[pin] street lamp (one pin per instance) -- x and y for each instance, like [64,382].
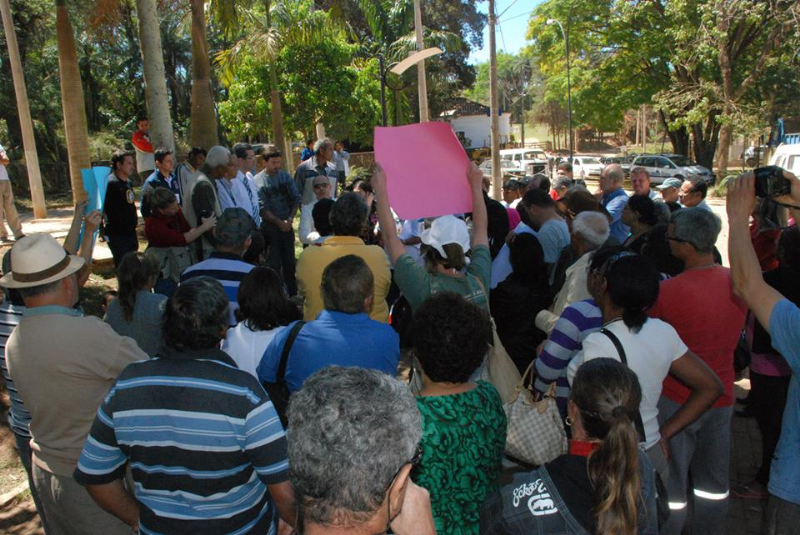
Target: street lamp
[569,90]
[398,69]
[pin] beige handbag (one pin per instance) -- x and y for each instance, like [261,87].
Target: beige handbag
[499,369]
[535,432]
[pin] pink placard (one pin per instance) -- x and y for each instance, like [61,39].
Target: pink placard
[426,170]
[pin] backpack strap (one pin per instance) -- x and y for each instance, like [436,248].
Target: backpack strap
[287,347]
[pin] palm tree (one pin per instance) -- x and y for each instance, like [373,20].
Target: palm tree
[203,124]
[75,128]
[283,25]
[154,77]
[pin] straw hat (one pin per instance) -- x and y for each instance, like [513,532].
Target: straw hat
[38,259]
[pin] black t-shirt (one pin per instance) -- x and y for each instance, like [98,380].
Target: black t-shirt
[120,208]
[787,281]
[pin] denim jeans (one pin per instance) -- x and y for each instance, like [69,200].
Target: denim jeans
[121,245]
[280,256]
[702,449]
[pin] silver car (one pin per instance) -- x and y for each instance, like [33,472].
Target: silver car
[664,166]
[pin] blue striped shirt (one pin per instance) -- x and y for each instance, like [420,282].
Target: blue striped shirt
[577,321]
[203,441]
[18,415]
[229,269]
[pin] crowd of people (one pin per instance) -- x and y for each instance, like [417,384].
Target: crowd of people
[235,387]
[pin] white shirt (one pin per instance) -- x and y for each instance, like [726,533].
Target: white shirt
[501,265]
[246,347]
[650,353]
[575,289]
[306,232]
[412,228]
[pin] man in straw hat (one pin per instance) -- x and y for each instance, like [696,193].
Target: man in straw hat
[63,365]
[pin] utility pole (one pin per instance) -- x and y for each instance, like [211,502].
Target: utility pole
[24,110]
[421,80]
[497,185]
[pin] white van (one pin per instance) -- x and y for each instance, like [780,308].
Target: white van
[788,157]
[530,161]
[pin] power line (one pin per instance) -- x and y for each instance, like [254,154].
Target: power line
[515,16]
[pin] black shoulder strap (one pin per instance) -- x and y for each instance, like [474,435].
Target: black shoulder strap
[287,347]
[637,421]
[617,344]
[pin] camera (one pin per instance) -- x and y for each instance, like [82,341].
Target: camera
[770,182]
[205,214]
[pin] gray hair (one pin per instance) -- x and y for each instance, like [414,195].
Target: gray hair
[562,180]
[322,144]
[615,173]
[218,156]
[698,227]
[350,431]
[592,227]
[41,289]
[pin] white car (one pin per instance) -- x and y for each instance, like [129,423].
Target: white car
[530,161]
[663,166]
[586,166]
[788,157]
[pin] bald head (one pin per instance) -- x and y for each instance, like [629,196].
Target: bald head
[611,178]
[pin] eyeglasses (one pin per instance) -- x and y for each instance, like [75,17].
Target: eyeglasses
[414,461]
[673,238]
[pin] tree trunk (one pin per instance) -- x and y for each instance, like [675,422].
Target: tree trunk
[154,78]
[72,100]
[275,105]
[26,124]
[705,141]
[203,126]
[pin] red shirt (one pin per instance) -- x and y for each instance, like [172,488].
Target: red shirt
[142,141]
[701,306]
[765,243]
[166,231]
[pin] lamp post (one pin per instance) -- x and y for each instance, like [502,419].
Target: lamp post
[398,69]
[569,89]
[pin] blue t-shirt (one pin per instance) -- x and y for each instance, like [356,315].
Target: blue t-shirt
[334,338]
[784,476]
[614,203]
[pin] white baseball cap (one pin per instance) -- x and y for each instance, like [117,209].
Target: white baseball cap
[444,230]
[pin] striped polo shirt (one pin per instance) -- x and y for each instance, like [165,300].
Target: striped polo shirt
[18,415]
[229,269]
[202,439]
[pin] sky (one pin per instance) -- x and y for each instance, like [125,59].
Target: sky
[512,26]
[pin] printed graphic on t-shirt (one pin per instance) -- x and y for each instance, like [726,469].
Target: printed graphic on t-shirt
[129,196]
[539,503]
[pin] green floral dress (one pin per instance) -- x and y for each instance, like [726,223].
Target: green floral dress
[463,437]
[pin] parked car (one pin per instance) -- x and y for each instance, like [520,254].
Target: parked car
[531,161]
[623,161]
[507,168]
[664,166]
[753,156]
[788,157]
[584,167]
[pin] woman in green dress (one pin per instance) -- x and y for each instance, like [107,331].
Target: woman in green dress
[463,423]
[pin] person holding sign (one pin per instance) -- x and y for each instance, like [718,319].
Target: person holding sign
[444,249]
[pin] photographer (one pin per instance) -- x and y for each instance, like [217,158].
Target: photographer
[780,319]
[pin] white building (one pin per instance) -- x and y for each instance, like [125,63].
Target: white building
[472,124]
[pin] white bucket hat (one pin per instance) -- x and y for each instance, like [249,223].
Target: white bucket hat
[39,259]
[444,230]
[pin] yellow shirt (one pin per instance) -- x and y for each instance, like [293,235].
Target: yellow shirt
[313,261]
